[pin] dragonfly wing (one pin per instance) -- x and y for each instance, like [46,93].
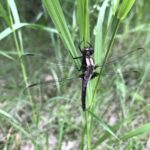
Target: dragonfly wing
[129,65]
[115,59]
[45,72]
[51,85]
[45,59]
[52,82]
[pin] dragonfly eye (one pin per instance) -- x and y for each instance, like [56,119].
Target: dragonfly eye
[91,50]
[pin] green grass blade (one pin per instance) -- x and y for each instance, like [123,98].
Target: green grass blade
[80,16]
[14,19]
[99,39]
[106,135]
[106,56]
[20,25]
[83,20]
[55,11]
[136,132]
[97,43]
[115,5]
[14,11]
[6,55]
[125,7]
[4,14]
[61,135]
[14,122]
[103,125]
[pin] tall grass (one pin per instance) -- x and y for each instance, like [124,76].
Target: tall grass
[94,131]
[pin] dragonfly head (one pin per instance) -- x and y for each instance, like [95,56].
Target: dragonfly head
[89,51]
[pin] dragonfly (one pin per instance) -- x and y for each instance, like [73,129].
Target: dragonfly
[88,69]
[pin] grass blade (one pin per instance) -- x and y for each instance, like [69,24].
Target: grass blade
[55,11]
[6,55]
[20,25]
[14,122]
[136,132]
[99,39]
[103,125]
[125,7]
[83,19]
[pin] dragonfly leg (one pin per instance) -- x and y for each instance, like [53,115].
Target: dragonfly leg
[95,74]
[81,76]
[79,46]
[96,66]
[90,45]
[78,57]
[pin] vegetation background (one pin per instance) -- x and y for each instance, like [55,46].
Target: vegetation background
[50,116]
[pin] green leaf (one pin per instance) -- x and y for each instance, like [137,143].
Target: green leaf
[14,11]
[55,11]
[4,14]
[17,26]
[6,55]
[104,126]
[115,4]
[83,19]
[125,7]
[99,40]
[106,135]
[141,130]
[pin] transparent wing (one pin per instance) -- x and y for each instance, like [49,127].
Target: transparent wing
[52,82]
[46,59]
[41,70]
[128,67]
[62,69]
[112,60]
[115,59]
